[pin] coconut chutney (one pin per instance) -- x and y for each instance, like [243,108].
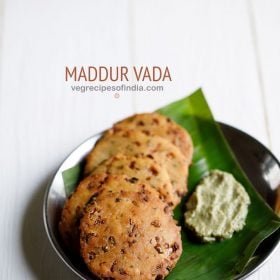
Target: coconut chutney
[217,208]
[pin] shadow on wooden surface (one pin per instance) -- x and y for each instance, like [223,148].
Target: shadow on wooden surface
[36,248]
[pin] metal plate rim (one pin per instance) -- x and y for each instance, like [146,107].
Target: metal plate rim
[65,259]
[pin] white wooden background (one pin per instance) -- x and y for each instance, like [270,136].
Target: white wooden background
[229,48]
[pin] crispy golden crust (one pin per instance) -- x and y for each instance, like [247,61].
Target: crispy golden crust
[135,143]
[156,124]
[144,169]
[127,232]
[73,210]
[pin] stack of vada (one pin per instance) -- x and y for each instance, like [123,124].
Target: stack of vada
[119,218]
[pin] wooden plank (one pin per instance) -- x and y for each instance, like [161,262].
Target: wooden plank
[267,25]
[265,22]
[206,45]
[41,121]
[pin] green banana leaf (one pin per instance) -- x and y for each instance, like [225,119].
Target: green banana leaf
[221,260]
[226,259]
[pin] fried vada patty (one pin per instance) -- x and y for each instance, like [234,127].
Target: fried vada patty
[135,143]
[157,124]
[142,168]
[127,232]
[73,210]
[74,205]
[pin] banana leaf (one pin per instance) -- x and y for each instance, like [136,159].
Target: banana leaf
[220,260]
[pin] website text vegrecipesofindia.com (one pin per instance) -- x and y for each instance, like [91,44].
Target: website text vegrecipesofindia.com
[116,88]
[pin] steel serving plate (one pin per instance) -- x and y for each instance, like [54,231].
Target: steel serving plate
[260,165]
